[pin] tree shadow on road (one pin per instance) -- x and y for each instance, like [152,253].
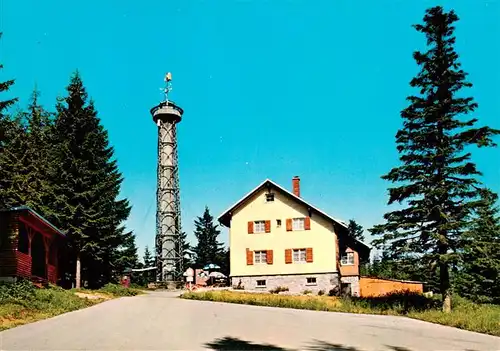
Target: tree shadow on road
[230,343]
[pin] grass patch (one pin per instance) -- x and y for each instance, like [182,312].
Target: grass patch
[22,302]
[465,314]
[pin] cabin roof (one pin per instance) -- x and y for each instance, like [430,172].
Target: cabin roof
[36,215]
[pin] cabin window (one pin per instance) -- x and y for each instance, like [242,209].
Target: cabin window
[260,257]
[278,223]
[299,255]
[311,281]
[298,224]
[261,283]
[259,226]
[347,259]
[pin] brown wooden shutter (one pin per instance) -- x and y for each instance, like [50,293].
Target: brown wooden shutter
[309,254]
[269,256]
[268,226]
[250,227]
[307,223]
[288,224]
[249,257]
[288,256]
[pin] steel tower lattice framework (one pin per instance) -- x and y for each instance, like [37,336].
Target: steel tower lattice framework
[168,212]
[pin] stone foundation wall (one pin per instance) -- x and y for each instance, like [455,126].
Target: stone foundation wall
[354,281]
[296,283]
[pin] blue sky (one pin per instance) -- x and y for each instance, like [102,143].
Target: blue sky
[270,89]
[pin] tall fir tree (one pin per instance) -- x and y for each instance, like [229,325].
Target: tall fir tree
[9,134]
[355,230]
[86,186]
[479,275]
[185,250]
[208,248]
[34,187]
[437,179]
[126,257]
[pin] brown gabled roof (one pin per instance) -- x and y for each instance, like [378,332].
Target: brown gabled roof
[37,216]
[225,217]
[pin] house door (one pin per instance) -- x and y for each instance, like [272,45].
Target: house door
[38,267]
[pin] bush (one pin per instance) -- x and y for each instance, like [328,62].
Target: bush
[22,290]
[119,290]
[278,289]
[307,292]
[321,292]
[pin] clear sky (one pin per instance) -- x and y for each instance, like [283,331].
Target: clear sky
[270,89]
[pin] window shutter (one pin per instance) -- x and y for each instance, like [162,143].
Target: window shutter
[250,227]
[249,257]
[288,224]
[309,254]
[307,223]
[288,256]
[268,226]
[269,256]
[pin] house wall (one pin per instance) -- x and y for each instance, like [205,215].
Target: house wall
[350,270]
[371,287]
[321,238]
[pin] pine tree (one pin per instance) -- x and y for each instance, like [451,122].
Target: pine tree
[9,135]
[126,257]
[34,188]
[208,248]
[185,250]
[148,261]
[437,179]
[86,184]
[355,230]
[479,274]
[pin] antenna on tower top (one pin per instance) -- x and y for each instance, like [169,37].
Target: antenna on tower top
[168,85]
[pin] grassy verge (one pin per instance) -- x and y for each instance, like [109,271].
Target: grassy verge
[22,303]
[465,314]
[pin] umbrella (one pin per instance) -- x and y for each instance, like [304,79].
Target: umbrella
[217,275]
[211,266]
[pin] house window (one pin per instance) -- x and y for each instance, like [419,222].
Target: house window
[261,283]
[260,257]
[259,226]
[298,224]
[278,223]
[311,281]
[347,259]
[299,255]
[269,197]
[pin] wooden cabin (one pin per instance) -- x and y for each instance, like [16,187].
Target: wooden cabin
[29,246]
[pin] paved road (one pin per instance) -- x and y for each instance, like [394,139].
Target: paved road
[160,321]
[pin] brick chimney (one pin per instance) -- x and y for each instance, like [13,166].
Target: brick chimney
[296,185]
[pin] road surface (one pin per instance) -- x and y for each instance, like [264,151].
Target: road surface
[160,321]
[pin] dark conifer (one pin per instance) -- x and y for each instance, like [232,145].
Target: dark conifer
[437,179]
[208,248]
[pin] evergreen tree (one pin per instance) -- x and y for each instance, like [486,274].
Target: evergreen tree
[208,248]
[9,134]
[34,188]
[355,230]
[148,261]
[185,250]
[437,178]
[125,257]
[86,184]
[479,274]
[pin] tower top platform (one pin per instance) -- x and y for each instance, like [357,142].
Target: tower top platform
[167,111]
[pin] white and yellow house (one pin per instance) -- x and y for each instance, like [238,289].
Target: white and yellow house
[278,239]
